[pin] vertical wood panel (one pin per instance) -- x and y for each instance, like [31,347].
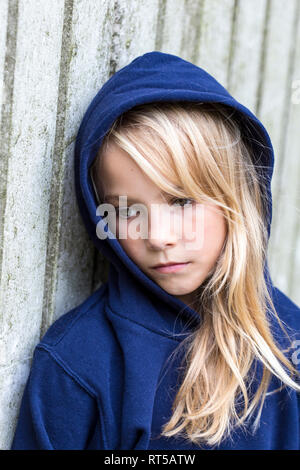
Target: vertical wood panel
[134,30]
[273,105]
[31,136]
[273,111]
[27,137]
[285,252]
[215,40]
[245,61]
[12,382]
[3,31]
[76,254]
[70,254]
[294,148]
[170,27]
[191,25]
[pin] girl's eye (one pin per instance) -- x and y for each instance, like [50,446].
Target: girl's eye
[182,201]
[123,211]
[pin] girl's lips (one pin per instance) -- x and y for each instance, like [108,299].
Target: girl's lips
[172,268]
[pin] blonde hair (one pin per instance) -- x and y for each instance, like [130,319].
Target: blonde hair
[197,150]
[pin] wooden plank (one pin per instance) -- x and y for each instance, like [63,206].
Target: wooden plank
[274,108]
[273,102]
[31,135]
[135,25]
[3,32]
[245,61]
[288,272]
[84,68]
[8,53]
[13,379]
[171,26]
[214,47]
[27,138]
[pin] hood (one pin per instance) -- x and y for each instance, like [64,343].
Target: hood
[154,76]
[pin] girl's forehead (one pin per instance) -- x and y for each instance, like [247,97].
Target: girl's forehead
[113,157]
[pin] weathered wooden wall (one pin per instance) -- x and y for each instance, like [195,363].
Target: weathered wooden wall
[54,56]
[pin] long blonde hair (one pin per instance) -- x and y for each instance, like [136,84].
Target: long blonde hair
[199,148]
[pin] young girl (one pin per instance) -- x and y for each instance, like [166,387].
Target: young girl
[188,344]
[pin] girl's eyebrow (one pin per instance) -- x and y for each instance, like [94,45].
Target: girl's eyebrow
[110,197]
[115,197]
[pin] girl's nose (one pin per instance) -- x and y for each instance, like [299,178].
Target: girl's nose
[161,230]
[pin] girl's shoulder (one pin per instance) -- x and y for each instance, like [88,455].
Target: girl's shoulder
[82,319]
[81,340]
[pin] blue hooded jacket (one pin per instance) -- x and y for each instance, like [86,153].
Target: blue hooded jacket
[100,377]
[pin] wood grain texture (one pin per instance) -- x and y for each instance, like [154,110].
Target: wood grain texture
[27,138]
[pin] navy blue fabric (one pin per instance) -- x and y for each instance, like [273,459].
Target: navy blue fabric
[102,377]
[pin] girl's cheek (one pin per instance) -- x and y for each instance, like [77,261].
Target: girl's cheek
[122,228]
[194,226]
[206,227]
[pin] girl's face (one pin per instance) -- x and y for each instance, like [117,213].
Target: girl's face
[165,242]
